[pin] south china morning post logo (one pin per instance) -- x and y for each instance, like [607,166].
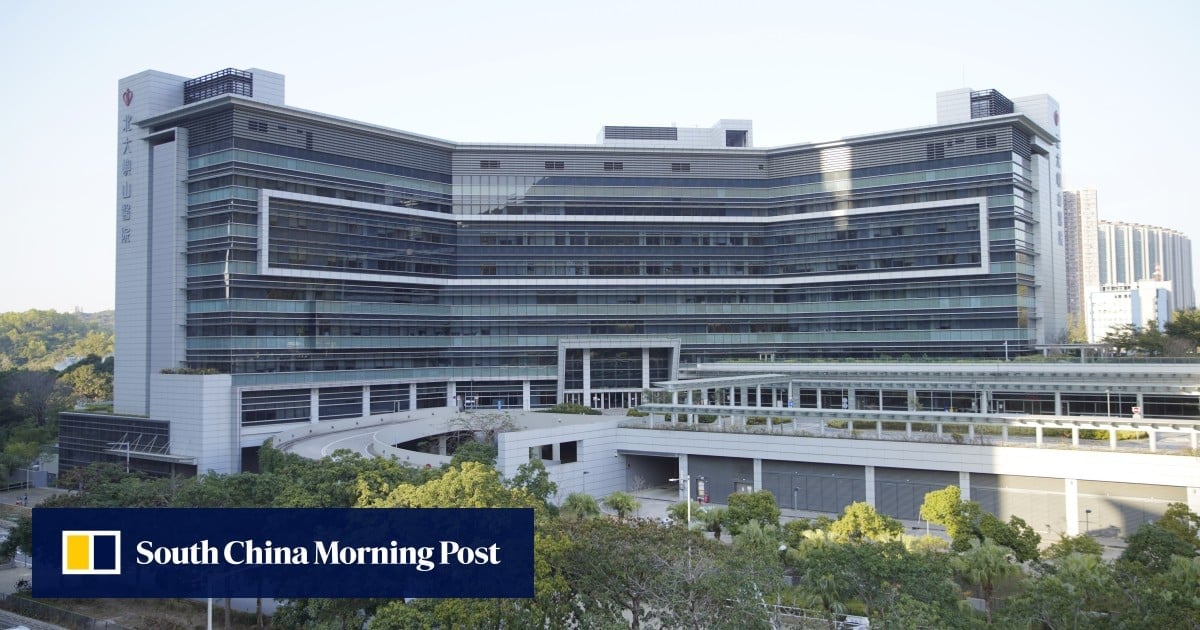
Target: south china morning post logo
[292,553]
[91,552]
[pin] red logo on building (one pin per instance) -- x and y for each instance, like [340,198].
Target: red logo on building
[127,97]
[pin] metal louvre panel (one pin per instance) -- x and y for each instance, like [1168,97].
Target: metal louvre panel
[811,160]
[591,164]
[305,134]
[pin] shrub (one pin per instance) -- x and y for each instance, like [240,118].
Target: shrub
[636,414]
[574,408]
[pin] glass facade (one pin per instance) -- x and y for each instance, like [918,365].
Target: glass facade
[322,257]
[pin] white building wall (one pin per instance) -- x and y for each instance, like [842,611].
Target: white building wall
[138,97]
[202,411]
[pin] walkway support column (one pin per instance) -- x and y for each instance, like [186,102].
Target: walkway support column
[758,485]
[964,485]
[366,401]
[314,405]
[1071,493]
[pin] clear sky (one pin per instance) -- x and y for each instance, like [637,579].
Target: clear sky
[1124,73]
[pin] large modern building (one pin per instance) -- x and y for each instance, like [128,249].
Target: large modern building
[1119,305]
[279,266]
[1129,252]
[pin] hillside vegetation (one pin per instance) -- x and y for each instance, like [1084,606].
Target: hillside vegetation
[37,340]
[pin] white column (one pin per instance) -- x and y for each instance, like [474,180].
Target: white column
[314,405]
[820,399]
[757,474]
[412,396]
[451,393]
[1153,435]
[587,377]
[852,398]
[1074,436]
[1071,493]
[1058,403]
[525,395]
[645,368]
[366,401]
[1193,499]
[964,485]
[1037,432]
[912,399]
[869,484]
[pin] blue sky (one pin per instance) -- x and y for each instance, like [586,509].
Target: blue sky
[555,72]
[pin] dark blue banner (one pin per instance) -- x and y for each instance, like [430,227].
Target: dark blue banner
[365,552]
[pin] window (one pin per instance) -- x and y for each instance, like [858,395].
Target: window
[935,151]
[489,163]
[681,167]
[257,125]
[985,142]
[614,166]
[554,166]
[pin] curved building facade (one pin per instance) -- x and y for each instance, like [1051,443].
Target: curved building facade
[305,267]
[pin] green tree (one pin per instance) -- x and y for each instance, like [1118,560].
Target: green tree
[20,538]
[1068,545]
[714,519]
[751,506]
[1183,522]
[945,507]
[1080,592]
[37,395]
[474,452]
[579,506]
[985,565]
[622,503]
[471,485]
[1152,546]
[1016,535]
[1185,324]
[1076,329]
[533,478]
[860,521]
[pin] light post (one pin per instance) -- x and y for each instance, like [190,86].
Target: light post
[1087,521]
[687,489]
[1006,350]
[585,474]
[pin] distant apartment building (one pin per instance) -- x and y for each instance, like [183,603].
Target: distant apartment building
[1131,252]
[1083,267]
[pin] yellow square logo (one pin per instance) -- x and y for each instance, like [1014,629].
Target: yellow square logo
[91,553]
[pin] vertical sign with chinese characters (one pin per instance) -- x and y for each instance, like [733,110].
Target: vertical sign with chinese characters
[125,172]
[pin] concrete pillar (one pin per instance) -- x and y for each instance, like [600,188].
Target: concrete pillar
[1074,436]
[1193,499]
[1071,493]
[645,368]
[869,483]
[1112,438]
[852,398]
[683,474]
[451,393]
[879,429]
[757,474]
[912,399]
[1141,404]
[758,396]
[880,400]
[971,432]
[984,401]
[525,395]
[1153,435]
[441,445]
[964,485]
[555,454]
[587,377]
[366,401]
[1195,439]
[820,399]
[412,396]
[1037,432]
[745,391]
[908,429]
[1004,432]
[314,405]
[1058,403]
[850,425]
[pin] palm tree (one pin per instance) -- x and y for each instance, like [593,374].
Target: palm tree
[579,506]
[985,565]
[622,503]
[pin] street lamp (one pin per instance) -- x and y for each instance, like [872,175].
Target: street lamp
[585,474]
[127,447]
[1087,521]
[687,485]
